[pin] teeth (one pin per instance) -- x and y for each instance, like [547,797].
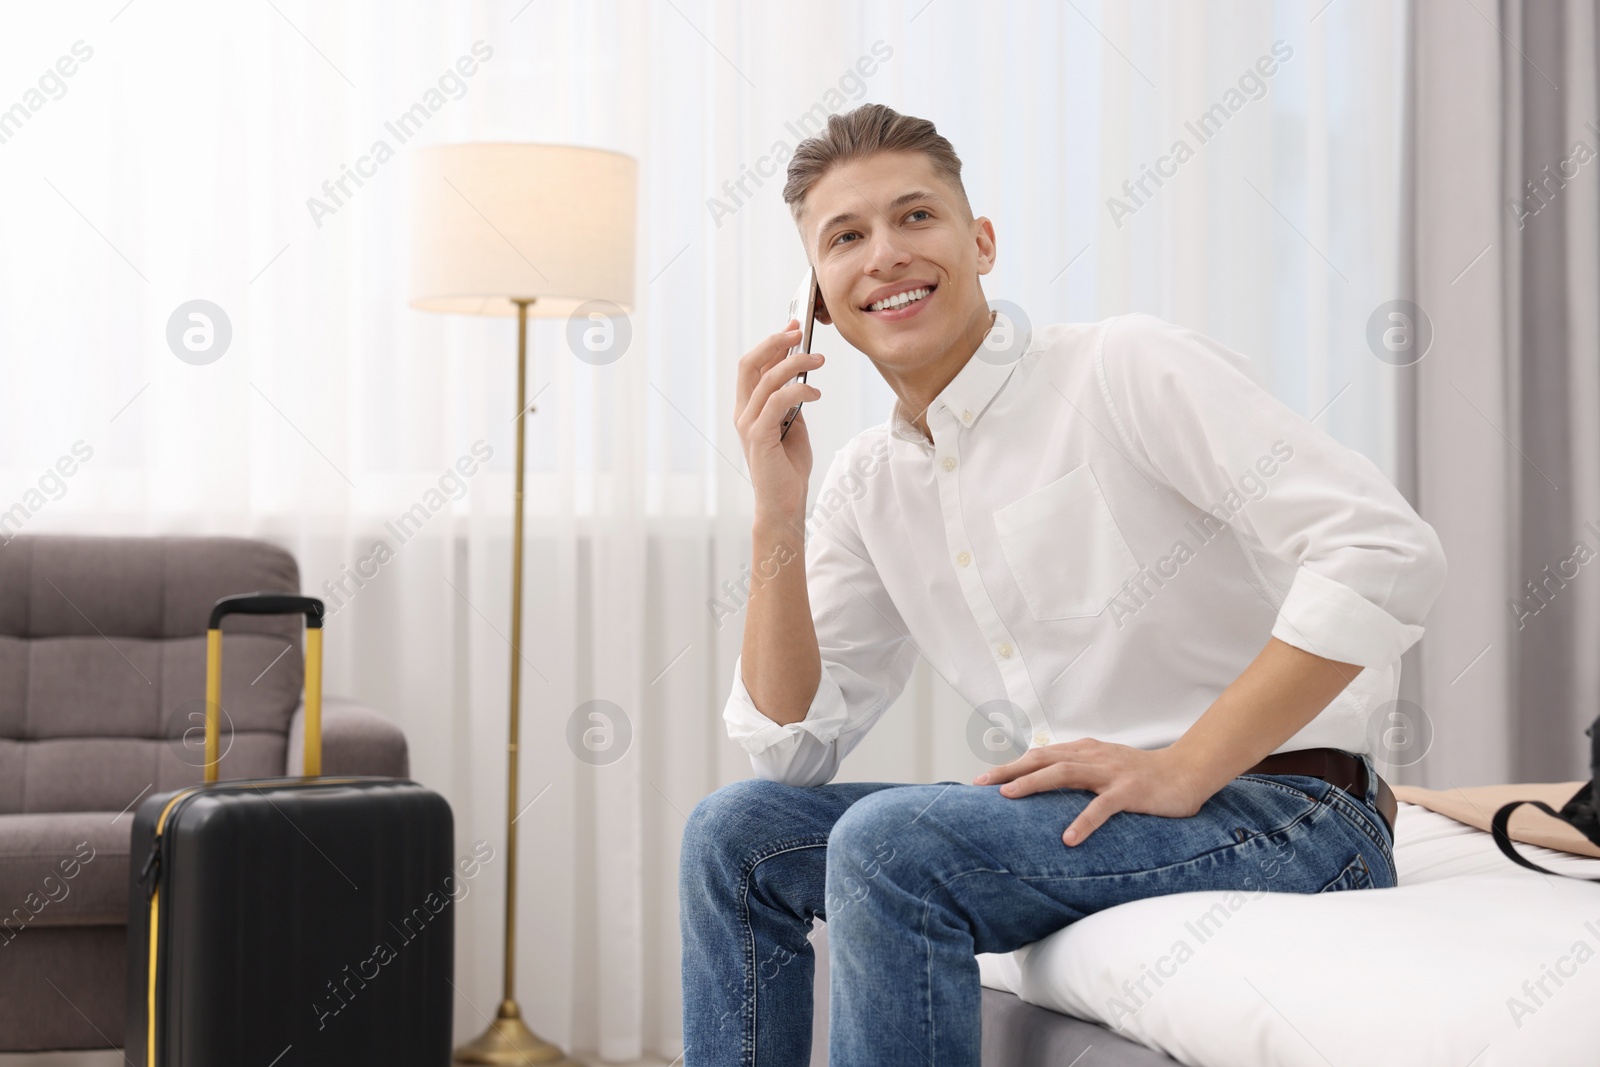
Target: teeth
[899,300]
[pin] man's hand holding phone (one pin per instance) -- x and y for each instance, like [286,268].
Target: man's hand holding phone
[767,388]
[781,662]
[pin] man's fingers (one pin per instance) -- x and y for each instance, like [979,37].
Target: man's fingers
[1094,814]
[1029,760]
[754,363]
[1051,776]
[995,775]
[781,374]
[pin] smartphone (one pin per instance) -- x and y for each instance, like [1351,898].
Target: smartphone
[803,309]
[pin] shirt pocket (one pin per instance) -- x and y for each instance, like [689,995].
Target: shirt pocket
[1064,548]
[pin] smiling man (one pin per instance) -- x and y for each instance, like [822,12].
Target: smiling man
[1173,604]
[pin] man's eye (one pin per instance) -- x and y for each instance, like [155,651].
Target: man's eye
[852,233]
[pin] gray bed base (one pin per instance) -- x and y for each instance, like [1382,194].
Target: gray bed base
[1017,1034]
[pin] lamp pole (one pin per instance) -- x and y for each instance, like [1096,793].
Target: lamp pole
[508,1041]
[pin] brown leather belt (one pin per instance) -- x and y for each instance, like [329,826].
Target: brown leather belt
[1336,767]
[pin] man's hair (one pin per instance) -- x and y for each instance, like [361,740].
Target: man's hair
[869,129]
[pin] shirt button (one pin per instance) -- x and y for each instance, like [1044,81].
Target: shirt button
[963,558]
[1041,739]
[966,417]
[1005,651]
[949,463]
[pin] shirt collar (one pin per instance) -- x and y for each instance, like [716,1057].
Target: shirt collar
[973,387]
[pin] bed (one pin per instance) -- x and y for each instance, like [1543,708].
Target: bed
[1470,961]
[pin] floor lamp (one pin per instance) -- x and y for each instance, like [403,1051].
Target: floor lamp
[520,229]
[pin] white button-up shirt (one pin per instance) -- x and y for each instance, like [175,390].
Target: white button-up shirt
[1100,538]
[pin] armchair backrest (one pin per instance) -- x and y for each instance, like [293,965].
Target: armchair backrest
[102,666]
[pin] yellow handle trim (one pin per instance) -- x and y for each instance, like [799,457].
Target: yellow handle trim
[213,701]
[150,1007]
[313,724]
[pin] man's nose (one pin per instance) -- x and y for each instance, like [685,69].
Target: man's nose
[890,248]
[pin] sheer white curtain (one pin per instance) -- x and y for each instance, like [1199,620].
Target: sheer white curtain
[177,161]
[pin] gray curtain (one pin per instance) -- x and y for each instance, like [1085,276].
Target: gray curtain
[1500,434]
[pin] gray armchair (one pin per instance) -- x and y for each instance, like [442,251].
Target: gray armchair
[102,685]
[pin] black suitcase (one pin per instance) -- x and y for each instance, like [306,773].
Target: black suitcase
[290,921]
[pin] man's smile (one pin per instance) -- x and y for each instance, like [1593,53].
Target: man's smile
[901,301]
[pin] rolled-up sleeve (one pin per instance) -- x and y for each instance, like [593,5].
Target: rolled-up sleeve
[866,654]
[1368,568]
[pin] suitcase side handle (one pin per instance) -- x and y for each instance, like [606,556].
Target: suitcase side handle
[265,604]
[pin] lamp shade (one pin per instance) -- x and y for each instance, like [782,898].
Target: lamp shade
[495,222]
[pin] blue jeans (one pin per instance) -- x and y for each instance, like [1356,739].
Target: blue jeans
[912,880]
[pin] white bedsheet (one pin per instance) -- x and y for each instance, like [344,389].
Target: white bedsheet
[1446,968]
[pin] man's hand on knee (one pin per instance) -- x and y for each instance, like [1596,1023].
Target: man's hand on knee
[1156,782]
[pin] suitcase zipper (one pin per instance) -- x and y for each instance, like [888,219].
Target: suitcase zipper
[150,880]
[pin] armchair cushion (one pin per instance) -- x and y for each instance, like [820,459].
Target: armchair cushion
[102,666]
[62,869]
[356,740]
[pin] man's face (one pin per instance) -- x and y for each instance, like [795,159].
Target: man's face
[904,229]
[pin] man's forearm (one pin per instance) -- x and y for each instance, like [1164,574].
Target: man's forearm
[781,664]
[1283,689]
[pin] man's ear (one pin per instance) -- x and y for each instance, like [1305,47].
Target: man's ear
[822,311]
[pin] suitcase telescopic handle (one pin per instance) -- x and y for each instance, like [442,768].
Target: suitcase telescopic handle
[265,604]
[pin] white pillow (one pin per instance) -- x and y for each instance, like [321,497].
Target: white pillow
[1470,960]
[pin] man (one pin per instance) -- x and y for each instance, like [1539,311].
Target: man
[1179,600]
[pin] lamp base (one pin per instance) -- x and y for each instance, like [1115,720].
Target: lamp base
[508,1042]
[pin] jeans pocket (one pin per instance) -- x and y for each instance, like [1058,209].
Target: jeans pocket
[1356,875]
[1310,790]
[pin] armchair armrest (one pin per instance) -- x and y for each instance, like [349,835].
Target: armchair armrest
[356,740]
